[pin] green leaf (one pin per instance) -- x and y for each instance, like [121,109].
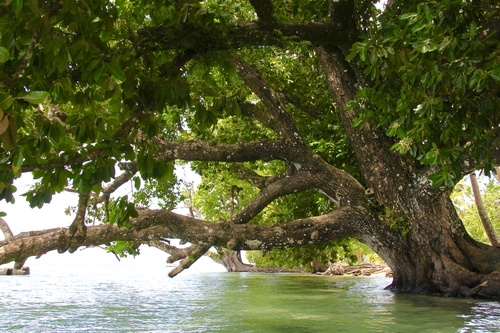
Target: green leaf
[362,53]
[137,182]
[408,16]
[354,52]
[17,162]
[34,97]
[357,121]
[9,138]
[132,212]
[16,5]
[237,109]
[33,4]
[473,28]
[115,71]
[97,73]
[437,178]
[494,73]
[57,92]
[18,159]
[4,54]
[93,64]
[6,101]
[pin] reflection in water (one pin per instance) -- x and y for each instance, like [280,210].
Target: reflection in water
[132,299]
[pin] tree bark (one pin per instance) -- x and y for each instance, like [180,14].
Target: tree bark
[231,260]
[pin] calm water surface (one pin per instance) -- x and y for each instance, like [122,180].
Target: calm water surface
[145,299]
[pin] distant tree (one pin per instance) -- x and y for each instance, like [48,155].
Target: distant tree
[483,214]
[467,208]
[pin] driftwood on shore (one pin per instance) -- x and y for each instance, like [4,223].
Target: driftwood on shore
[333,269]
[13,271]
[357,270]
[274,270]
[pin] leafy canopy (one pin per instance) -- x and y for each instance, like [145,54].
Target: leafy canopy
[435,69]
[86,86]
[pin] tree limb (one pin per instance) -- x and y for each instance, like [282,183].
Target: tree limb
[483,213]
[265,13]
[201,41]
[367,141]
[195,252]
[161,224]
[197,150]
[188,255]
[283,185]
[77,229]
[273,102]
[116,183]
[4,227]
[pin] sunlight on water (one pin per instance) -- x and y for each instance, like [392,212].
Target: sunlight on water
[144,299]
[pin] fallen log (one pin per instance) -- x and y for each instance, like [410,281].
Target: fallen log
[357,270]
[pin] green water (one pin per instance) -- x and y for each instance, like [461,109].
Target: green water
[146,300]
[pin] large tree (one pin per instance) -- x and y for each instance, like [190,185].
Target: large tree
[381,113]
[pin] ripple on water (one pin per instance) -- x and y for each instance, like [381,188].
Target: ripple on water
[128,300]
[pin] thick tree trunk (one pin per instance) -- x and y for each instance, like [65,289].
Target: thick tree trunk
[434,253]
[232,261]
[444,259]
[317,266]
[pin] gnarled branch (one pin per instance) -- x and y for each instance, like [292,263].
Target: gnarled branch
[283,185]
[273,102]
[265,12]
[210,151]
[201,41]
[116,183]
[4,227]
[77,229]
[194,252]
[161,224]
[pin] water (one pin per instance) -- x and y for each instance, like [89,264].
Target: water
[144,299]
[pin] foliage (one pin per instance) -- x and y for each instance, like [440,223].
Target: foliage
[122,249]
[165,194]
[212,197]
[435,68]
[397,221]
[88,72]
[302,257]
